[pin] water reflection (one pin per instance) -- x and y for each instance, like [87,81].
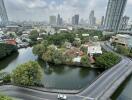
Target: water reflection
[124,92]
[55,76]
[6,61]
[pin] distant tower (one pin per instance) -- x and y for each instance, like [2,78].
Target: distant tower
[52,20]
[92,19]
[75,19]
[59,20]
[102,21]
[114,13]
[3,14]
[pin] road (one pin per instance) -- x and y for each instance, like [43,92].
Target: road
[29,94]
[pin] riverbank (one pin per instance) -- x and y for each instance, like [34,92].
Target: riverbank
[55,76]
[6,50]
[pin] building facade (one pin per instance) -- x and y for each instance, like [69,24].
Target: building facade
[75,19]
[59,20]
[92,19]
[102,21]
[52,20]
[114,13]
[3,14]
[124,23]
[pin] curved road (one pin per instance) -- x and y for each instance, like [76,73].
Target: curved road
[29,94]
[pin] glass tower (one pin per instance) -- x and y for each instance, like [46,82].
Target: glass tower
[115,10]
[3,14]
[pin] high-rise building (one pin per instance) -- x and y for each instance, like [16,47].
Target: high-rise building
[3,14]
[92,18]
[102,21]
[59,20]
[114,13]
[52,20]
[75,19]
[124,23]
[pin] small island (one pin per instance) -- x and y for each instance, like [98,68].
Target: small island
[80,48]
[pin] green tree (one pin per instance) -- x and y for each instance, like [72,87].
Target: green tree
[107,60]
[28,74]
[34,35]
[7,78]
[2,97]
[58,57]
[122,50]
[84,49]
[6,49]
[76,43]
[40,48]
[85,60]
[48,55]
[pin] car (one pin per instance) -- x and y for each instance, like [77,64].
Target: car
[62,97]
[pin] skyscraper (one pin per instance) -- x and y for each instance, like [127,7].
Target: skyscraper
[3,14]
[115,10]
[92,19]
[52,20]
[59,20]
[102,21]
[75,19]
[124,23]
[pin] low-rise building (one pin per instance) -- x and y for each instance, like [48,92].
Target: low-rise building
[94,48]
[77,59]
[122,39]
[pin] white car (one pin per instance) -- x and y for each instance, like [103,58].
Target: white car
[62,97]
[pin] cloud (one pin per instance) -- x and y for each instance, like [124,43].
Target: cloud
[129,2]
[40,10]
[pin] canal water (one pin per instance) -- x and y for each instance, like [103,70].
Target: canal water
[57,77]
[124,92]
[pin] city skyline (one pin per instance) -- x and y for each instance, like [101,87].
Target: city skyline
[40,10]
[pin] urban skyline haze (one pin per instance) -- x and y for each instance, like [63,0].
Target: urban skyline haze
[40,10]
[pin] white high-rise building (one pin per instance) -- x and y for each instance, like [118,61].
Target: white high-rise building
[3,14]
[114,13]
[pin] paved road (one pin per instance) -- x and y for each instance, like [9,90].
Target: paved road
[29,94]
[94,91]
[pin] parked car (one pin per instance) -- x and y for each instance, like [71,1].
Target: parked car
[62,97]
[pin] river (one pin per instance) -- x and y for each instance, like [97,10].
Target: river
[124,92]
[57,77]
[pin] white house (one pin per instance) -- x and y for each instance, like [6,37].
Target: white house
[77,59]
[94,48]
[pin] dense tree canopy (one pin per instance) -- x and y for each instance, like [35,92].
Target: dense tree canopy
[40,48]
[85,60]
[107,60]
[90,32]
[27,74]
[6,49]
[2,97]
[122,50]
[60,38]
[33,35]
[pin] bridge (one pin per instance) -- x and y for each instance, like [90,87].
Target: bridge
[101,89]
[106,85]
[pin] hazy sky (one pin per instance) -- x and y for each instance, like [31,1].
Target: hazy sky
[40,10]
